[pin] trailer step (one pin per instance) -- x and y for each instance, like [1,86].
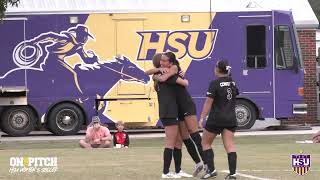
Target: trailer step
[13,95]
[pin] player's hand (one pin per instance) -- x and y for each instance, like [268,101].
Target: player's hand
[187,82]
[164,70]
[181,74]
[156,77]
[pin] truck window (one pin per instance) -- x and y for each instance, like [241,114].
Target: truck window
[256,47]
[283,47]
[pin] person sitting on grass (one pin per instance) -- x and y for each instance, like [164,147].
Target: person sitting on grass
[120,138]
[97,136]
[316,137]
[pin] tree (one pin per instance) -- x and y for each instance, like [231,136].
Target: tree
[4,4]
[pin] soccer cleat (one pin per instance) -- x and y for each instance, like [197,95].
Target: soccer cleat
[184,174]
[170,175]
[208,175]
[232,176]
[197,168]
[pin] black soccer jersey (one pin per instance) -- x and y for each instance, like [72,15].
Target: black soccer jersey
[223,91]
[167,99]
[185,102]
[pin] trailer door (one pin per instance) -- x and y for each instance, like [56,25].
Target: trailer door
[256,50]
[126,45]
[288,67]
[12,71]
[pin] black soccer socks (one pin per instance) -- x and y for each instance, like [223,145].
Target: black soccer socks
[197,140]
[232,161]
[209,155]
[167,157]
[192,150]
[177,156]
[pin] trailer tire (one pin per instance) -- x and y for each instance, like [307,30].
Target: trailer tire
[246,114]
[18,120]
[65,119]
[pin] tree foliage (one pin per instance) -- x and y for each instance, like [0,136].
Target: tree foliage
[4,5]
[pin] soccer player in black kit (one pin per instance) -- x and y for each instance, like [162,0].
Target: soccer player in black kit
[220,102]
[168,113]
[188,124]
[187,115]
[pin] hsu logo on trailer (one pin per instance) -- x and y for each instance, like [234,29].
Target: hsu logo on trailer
[197,44]
[301,163]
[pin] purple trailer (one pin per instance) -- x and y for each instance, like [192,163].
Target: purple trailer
[60,68]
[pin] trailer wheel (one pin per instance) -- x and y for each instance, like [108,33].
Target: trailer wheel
[65,119]
[18,120]
[245,113]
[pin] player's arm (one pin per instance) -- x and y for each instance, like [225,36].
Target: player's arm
[172,80]
[236,90]
[179,80]
[208,102]
[171,72]
[205,109]
[152,71]
[182,82]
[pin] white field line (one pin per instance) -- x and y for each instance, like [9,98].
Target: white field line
[248,176]
[270,170]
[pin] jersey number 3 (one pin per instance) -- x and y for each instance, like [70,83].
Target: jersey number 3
[229,95]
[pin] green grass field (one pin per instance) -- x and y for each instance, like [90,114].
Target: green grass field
[267,157]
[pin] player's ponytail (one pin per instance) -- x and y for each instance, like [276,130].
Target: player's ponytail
[224,67]
[228,68]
